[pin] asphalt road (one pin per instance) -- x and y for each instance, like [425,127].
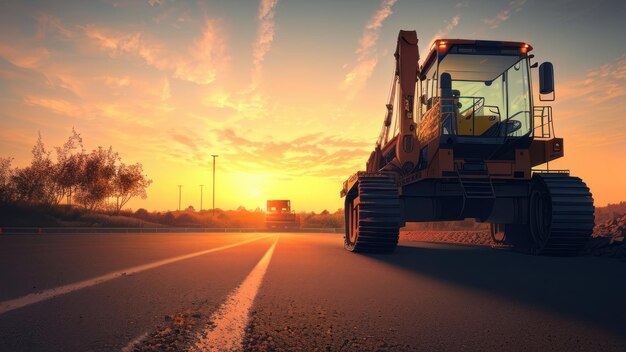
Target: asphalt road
[299,292]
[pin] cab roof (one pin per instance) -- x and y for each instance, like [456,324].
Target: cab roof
[442,47]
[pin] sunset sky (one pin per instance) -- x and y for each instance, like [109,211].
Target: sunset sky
[289,93]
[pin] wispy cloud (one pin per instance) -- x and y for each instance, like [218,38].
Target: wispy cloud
[206,56]
[264,37]
[58,106]
[588,105]
[15,136]
[367,54]
[117,44]
[314,154]
[115,82]
[199,64]
[24,57]
[248,104]
[51,24]
[505,14]
[454,21]
[600,85]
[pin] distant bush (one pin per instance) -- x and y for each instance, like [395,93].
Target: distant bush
[325,219]
[39,215]
[105,220]
[611,211]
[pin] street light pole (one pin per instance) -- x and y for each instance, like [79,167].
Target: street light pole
[201,186]
[214,156]
[179,197]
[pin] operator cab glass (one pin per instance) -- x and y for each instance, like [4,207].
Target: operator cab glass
[490,91]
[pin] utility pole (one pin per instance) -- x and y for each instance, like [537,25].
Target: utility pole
[179,198]
[201,186]
[214,156]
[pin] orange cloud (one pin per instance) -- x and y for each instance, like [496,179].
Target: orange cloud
[367,55]
[198,65]
[503,15]
[246,105]
[24,57]
[51,24]
[600,85]
[264,37]
[115,82]
[206,56]
[454,21]
[116,44]
[57,106]
[16,136]
[314,154]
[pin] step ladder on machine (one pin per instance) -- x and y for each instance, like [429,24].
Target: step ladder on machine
[475,181]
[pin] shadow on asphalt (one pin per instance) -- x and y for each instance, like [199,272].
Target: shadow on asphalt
[588,289]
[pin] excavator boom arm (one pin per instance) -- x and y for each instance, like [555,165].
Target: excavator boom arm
[407,70]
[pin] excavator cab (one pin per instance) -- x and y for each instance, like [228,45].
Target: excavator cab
[489,85]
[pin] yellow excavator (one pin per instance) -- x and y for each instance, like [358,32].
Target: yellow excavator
[463,138]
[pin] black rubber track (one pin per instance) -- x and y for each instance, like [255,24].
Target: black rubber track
[571,215]
[379,215]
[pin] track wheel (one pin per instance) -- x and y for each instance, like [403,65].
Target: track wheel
[372,216]
[498,234]
[561,215]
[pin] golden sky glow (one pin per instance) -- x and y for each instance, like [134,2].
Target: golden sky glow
[290,94]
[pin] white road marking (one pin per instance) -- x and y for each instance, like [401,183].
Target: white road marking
[134,342]
[33,298]
[231,319]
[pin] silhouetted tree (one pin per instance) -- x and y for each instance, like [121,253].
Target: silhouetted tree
[96,183]
[142,213]
[34,183]
[69,168]
[7,192]
[168,218]
[91,179]
[129,182]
